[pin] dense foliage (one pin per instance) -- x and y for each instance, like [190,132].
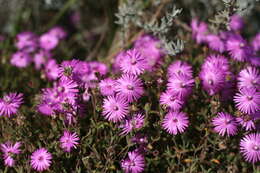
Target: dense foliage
[130,86]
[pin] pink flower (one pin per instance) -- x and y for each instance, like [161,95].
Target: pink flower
[68,141]
[224,123]
[9,151]
[10,103]
[250,147]
[107,86]
[129,87]
[171,100]
[115,108]
[248,100]
[199,31]
[133,62]
[21,59]
[134,163]
[41,159]
[175,122]
[48,41]
[236,22]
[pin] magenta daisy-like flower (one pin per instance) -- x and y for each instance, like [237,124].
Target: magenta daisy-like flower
[248,100]
[133,62]
[40,58]
[67,86]
[21,59]
[117,61]
[238,48]
[179,67]
[255,61]
[67,69]
[132,122]
[236,22]
[213,80]
[225,124]
[68,141]
[175,122]
[256,42]
[115,108]
[199,31]
[134,163]
[150,47]
[9,150]
[171,100]
[249,78]
[107,86]
[58,32]
[215,43]
[180,85]
[10,103]
[248,121]
[26,41]
[216,62]
[250,147]
[51,69]
[41,159]
[129,87]
[48,41]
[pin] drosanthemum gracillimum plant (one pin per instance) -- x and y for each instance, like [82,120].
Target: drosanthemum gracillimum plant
[129,87]
[9,151]
[41,159]
[134,163]
[225,124]
[250,147]
[69,141]
[175,122]
[115,108]
[131,112]
[10,104]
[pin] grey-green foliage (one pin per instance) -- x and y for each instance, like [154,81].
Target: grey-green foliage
[127,12]
[244,7]
[130,12]
[241,7]
[162,29]
[165,24]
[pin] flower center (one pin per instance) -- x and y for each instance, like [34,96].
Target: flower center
[132,163]
[40,158]
[249,97]
[133,61]
[61,89]
[175,120]
[172,98]
[68,71]
[7,99]
[227,121]
[210,81]
[253,82]
[115,108]
[256,148]
[55,94]
[182,85]
[241,45]
[130,87]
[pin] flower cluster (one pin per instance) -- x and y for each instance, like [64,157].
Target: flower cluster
[217,79]
[65,97]
[38,50]
[230,41]
[125,96]
[40,159]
